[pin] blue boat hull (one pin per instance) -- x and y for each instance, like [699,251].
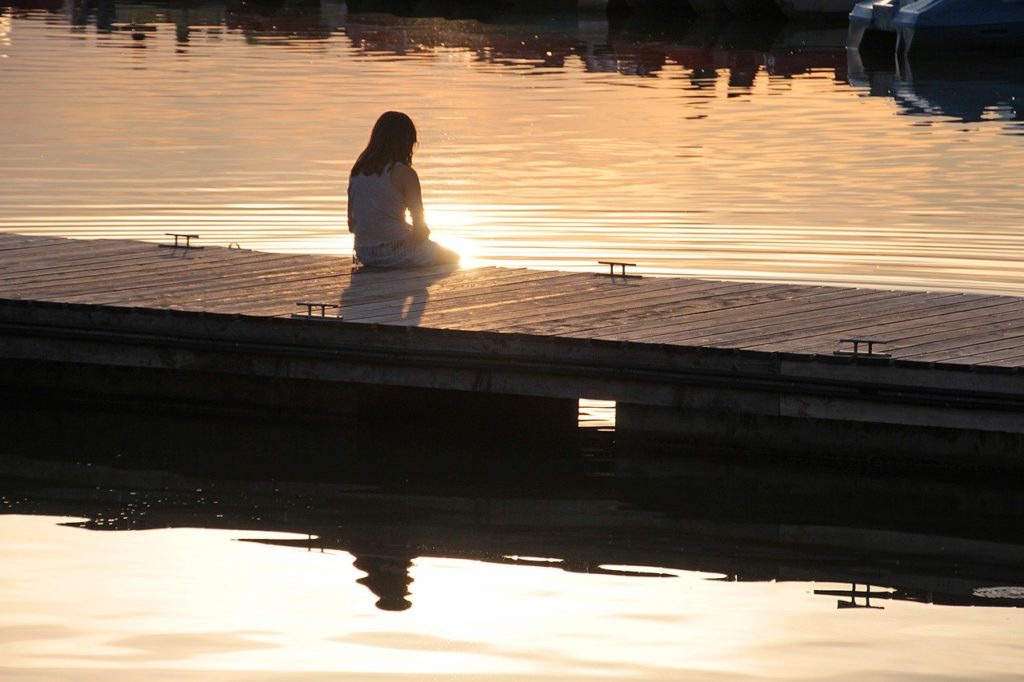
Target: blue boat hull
[992,37]
[961,24]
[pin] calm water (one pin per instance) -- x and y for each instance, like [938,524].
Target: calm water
[756,153]
[327,557]
[190,604]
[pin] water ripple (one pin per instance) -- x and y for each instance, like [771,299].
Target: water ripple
[549,145]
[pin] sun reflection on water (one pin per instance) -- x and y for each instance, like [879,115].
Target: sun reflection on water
[184,602]
[6,25]
[460,229]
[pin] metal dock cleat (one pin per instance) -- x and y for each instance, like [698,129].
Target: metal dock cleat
[622,268]
[309,305]
[177,244]
[856,350]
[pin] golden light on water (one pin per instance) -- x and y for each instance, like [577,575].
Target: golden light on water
[458,228]
[5,29]
[535,152]
[193,602]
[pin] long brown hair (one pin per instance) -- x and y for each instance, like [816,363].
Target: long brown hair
[391,141]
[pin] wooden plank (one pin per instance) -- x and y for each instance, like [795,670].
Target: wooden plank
[46,258]
[673,332]
[761,319]
[697,302]
[966,345]
[271,300]
[281,295]
[10,241]
[959,345]
[1016,361]
[394,280]
[7,238]
[463,306]
[275,296]
[384,309]
[824,322]
[671,311]
[76,267]
[244,280]
[180,282]
[520,314]
[151,271]
[865,319]
[893,328]
[447,295]
[168,271]
[993,351]
[366,290]
[595,295]
[399,315]
[965,350]
[68,248]
[659,310]
[267,295]
[73,251]
[170,278]
[42,252]
[171,290]
[723,311]
[653,302]
[574,285]
[948,326]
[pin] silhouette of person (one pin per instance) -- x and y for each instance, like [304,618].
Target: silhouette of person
[381,188]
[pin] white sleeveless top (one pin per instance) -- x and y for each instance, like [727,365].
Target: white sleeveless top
[377,210]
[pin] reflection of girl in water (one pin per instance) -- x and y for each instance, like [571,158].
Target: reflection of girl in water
[387,577]
[381,187]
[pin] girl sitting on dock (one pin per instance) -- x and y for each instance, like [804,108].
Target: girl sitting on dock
[381,188]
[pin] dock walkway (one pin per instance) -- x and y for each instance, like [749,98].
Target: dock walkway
[943,360]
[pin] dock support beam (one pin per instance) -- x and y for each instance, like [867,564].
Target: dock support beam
[427,412]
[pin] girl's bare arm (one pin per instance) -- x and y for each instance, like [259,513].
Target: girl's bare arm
[408,184]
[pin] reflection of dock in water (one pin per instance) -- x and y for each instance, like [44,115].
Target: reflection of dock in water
[968,87]
[515,39]
[701,46]
[641,517]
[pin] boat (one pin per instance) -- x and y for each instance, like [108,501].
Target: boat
[759,9]
[871,24]
[938,24]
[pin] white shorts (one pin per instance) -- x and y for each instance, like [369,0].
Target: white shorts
[404,254]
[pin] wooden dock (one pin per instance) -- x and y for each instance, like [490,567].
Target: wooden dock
[685,359]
